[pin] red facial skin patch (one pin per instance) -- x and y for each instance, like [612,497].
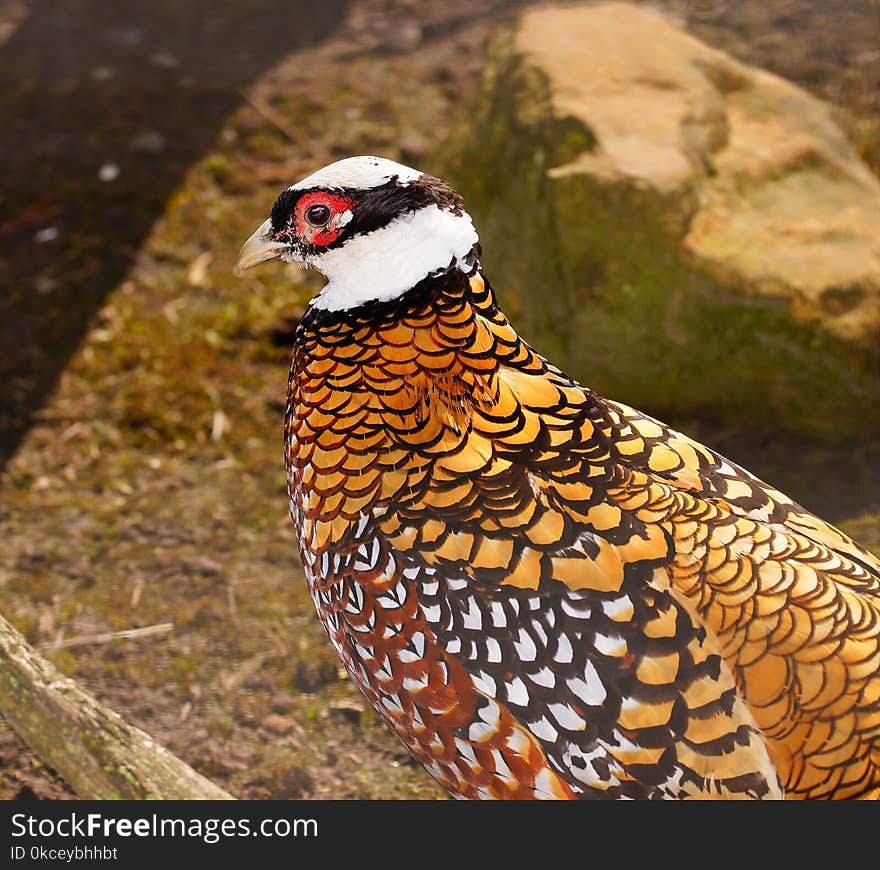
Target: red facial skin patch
[333,229]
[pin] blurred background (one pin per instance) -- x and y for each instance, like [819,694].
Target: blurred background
[707,249]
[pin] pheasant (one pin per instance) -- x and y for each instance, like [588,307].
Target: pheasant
[544,593]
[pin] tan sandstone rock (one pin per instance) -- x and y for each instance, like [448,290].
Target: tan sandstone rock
[774,199]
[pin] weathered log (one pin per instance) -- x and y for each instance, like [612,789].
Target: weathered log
[98,753]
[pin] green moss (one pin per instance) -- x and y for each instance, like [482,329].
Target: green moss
[219,167]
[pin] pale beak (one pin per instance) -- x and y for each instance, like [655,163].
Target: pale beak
[259,248]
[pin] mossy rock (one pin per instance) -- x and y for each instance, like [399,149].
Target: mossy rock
[596,276]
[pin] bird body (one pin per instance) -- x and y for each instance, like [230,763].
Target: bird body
[545,593]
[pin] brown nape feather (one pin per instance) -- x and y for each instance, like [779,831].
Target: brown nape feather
[547,594]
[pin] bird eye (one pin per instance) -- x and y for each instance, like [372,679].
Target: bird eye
[318,215]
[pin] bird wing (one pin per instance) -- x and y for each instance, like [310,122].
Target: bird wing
[794,602]
[657,448]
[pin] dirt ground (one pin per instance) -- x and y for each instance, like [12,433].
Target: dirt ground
[143,385]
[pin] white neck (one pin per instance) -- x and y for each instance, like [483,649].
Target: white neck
[385,263]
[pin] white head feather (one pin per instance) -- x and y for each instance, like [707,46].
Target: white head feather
[361,173]
[384,264]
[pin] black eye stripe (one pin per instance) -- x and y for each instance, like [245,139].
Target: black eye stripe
[371,208]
